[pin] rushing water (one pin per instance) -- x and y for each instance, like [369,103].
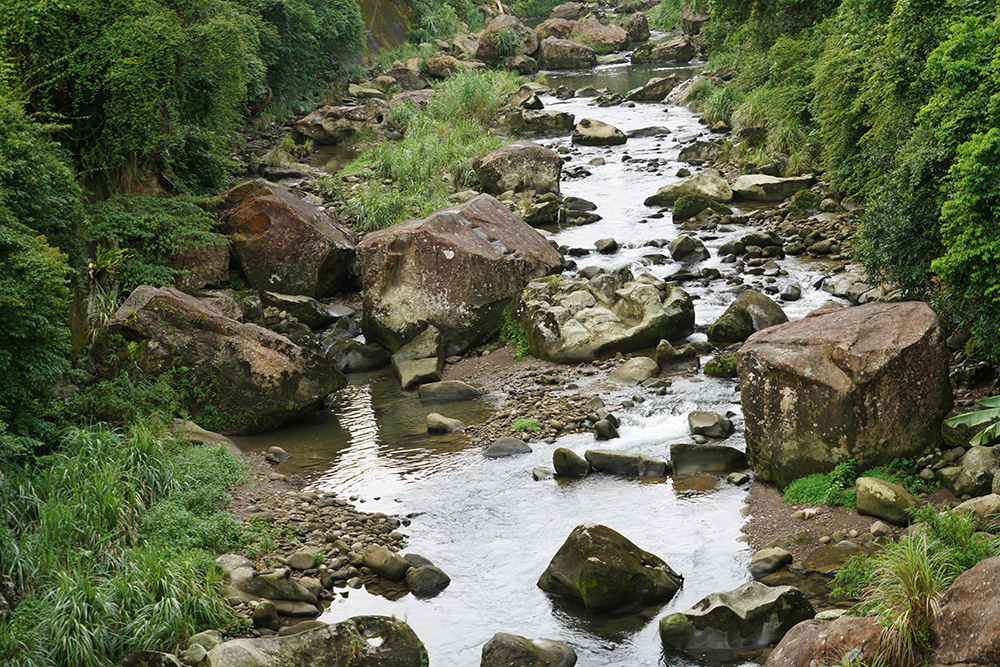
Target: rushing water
[487,523]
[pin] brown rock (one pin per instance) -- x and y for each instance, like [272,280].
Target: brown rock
[248,379]
[417,98]
[408,78]
[677,50]
[520,166]
[457,270]
[199,267]
[286,245]
[442,66]
[558,28]
[603,38]
[565,54]
[491,45]
[813,643]
[966,630]
[335,125]
[692,22]
[868,383]
[637,27]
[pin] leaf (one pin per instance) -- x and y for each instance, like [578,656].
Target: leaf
[974,418]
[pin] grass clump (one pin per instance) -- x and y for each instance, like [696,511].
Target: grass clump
[837,487]
[522,424]
[413,177]
[902,583]
[111,540]
[512,332]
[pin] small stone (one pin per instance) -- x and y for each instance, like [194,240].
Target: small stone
[880,529]
[825,539]
[738,478]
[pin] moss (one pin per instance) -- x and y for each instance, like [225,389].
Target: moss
[806,199]
[722,365]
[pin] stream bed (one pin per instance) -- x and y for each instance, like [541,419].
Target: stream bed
[487,523]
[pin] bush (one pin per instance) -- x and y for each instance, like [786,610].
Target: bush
[152,232]
[34,339]
[902,583]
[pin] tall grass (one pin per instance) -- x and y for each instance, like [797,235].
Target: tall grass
[414,176]
[903,583]
[101,577]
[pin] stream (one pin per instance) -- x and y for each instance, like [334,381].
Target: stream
[487,523]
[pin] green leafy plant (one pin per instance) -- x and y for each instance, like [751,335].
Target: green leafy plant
[512,332]
[522,424]
[989,413]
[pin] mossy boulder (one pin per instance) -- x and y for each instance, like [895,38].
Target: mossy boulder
[602,569]
[752,311]
[232,377]
[688,206]
[722,365]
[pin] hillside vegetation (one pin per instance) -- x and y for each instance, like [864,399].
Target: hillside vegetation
[898,103]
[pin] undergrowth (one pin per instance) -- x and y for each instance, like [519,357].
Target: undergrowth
[413,177]
[837,487]
[522,424]
[111,540]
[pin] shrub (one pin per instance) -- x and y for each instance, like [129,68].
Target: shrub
[154,230]
[34,339]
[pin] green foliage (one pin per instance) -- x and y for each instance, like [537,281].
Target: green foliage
[34,339]
[512,332]
[434,158]
[507,42]
[301,41]
[124,399]
[989,413]
[837,487]
[720,105]
[522,424]
[437,20]
[902,583]
[533,8]
[155,230]
[104,550]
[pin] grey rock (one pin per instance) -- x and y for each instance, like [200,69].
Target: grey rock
[505,650]
[449,390]
[687,459]
[569,464]
[506,446]
[709,424]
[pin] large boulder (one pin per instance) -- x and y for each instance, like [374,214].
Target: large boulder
[750,312]
[506,36]
[709,183]
[556,27]
[677,50]
[985,512]
[751,616]
[285,244]
[868,383]
[571,320]
[248,379]
[335,125]
[637,27]
[977,469]
[407,78]
[520,166]
[760,187]
[603,38]
[691,22]
[625,464]
[812,643]
[458,270]
[688,459]
[557,53]
[505,650]
[362,641]
[590,132]
[602,569]
[966,629]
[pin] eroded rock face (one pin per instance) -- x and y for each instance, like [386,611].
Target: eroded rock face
[868,383]
[753,615]
[557,53]
[812,643]
[250,379]
[457,270]
[329,646]
[520,166]
[335,125]
[286,245]
[602,569]
[570,320]
[967,629]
